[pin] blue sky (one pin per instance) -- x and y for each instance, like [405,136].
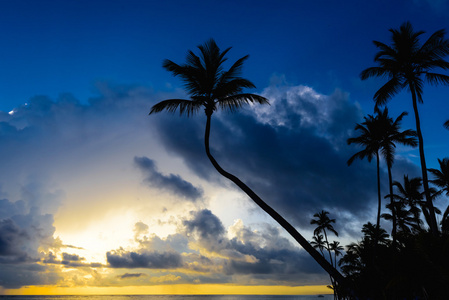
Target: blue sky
[81,77]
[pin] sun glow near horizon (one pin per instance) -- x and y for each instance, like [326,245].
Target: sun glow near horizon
[179,289]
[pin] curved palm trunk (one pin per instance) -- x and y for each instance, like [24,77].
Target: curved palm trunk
[432,218]
[287,226]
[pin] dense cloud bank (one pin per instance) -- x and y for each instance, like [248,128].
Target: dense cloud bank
[205,251]
[293,153]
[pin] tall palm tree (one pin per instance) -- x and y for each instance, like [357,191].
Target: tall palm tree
[407,64]
[337,249]
[211,87]
[369,138]
[391,135]
[446,124]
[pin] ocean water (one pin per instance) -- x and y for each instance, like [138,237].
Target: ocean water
[170,297]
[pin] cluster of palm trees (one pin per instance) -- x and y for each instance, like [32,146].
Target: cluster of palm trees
[323,226]
[414,264]
[406,64]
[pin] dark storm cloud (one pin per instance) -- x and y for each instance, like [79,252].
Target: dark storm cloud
[131,275]
[206,224]
[293,153]
[150,260]
[171,183]
[23,230]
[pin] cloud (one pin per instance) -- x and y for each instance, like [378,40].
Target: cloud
[215,254]
[292,153]
[24,234]
[148,259]
[171,183]
[131,275]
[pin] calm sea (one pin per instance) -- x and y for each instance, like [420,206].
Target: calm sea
[169,297]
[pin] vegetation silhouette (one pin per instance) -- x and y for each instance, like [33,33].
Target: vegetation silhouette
[407,64]
[210,87]
[413,264]
[379,135]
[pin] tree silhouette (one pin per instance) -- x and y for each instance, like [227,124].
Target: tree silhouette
[370,138]
[407,64]
[324,223]
[210,87]
[410,194]
[318,243]
[442,181]
[391,135]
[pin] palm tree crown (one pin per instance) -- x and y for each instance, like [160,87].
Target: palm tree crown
[208,84]
[442,176]
[405,63]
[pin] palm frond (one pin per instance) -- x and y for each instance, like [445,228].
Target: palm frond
[187,107]
[436,79]
[234,102]
[387,91]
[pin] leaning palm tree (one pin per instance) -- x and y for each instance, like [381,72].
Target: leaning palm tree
[407,64]
[211,87]
[370,138]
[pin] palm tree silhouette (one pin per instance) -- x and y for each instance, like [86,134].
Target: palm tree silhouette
[442,181]
[446,124]
[370,138]
[318,243]
[210,87]
[324,223]
[410,194]
[391,135]
[406,64]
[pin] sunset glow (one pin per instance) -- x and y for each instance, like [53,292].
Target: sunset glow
[99,197]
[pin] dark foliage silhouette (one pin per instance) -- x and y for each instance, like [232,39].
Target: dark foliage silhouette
[407,64]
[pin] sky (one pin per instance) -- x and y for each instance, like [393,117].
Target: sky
[98,197]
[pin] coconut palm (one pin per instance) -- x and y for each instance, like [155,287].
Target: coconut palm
[407,64]
[318,243]
[391,135]
[442,181]
[441,176]
[446,124]
[410,194]
[324,223]
[370,138]
[210,87]
[337,249]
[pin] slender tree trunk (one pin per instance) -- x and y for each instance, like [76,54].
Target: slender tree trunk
[328,248]
[287,226]
[432,218]
[393,207]
[379,199]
